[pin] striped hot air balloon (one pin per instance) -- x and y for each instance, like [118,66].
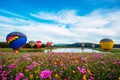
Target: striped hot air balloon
[106,44]
[16,40]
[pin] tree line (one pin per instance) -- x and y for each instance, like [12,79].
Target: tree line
[75,45]
[89,45]
[5,45]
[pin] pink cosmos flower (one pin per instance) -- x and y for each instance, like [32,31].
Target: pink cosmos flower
[19,76]
[29,67]
[34,64]
[26,56]
[1,67]
[82,70]
[45,74]
[10,66]
[4,78]
[64,79]
[78,68]
[28,59]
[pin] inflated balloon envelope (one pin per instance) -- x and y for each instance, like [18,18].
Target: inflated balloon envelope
[106,44]
[32,43]
[38,44]
[49,44]
[16,40]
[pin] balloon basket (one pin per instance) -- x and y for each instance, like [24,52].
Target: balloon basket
[16,51]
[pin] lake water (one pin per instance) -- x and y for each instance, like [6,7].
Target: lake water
[72,50]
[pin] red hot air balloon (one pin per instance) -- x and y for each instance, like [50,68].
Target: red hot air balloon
[38,44]
[49,44]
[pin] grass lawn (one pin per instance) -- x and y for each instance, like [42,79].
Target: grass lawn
[114,50]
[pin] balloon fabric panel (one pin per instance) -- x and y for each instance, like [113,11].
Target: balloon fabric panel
[17,44]
[38,44]
[11,39]
[107,45]
[31,43]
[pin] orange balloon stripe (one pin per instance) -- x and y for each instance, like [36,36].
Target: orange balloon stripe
[11,38]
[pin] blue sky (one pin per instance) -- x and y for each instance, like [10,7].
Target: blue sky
[61,21]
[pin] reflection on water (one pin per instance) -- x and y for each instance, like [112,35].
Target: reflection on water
[72,50]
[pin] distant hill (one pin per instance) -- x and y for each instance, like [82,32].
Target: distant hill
[87,45]
[60,44]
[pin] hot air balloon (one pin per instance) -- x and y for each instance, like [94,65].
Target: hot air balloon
[16,40]
[106,44]
[82,46]
[93,46]
[38,44]
[49,44]
[32,43]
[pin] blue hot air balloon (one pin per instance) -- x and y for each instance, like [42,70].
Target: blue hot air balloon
[16,40]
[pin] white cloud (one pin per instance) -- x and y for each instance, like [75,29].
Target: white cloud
[68,27]
[13,14]
[14,21]
[63,16]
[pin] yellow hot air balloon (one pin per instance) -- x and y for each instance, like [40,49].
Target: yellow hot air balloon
[32,43]
[106,44]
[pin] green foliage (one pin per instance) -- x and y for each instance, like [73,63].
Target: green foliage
[3,45]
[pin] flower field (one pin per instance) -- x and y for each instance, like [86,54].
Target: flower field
[60,66]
